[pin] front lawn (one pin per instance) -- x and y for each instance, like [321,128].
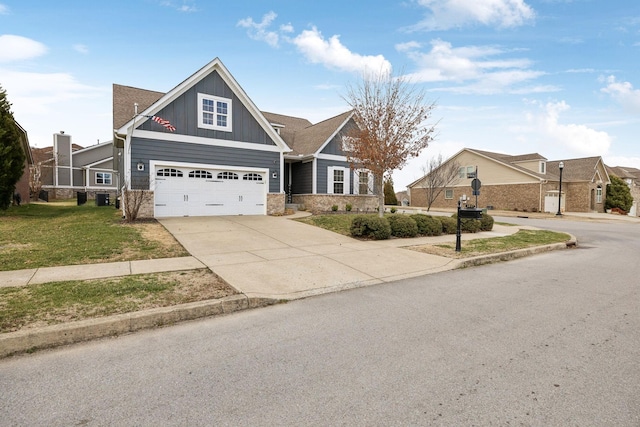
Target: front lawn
[53,234]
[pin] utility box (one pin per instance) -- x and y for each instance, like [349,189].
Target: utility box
[473,213]
[82,197]
[102,199]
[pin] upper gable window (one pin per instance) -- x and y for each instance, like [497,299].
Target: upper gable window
[214,112]
[543,167]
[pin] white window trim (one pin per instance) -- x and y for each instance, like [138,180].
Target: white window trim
[345,187]
[215,99]
[598,194]
[445,194]
[356,181]
[106,176]
[543,167]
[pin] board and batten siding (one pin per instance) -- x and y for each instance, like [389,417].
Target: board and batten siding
[143,150]
[334,146]
[301,178]
[322,178]
[183,114]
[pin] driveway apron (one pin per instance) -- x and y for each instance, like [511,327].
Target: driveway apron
[276,257]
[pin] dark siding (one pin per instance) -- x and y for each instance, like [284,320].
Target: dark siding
[322,174]
[183,114]
[150,149]
[91,156]
[335,145]
[301,178]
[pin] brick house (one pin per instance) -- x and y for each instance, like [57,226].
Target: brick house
[526,182]
[632,177]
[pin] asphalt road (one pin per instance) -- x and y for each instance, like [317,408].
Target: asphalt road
[550,340]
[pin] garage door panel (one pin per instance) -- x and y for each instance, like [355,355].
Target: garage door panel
[196,195]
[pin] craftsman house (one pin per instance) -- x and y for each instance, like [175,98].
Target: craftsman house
[204,148]
[65,169]
[527,183]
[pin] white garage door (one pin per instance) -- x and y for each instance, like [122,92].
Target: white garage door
[181,191]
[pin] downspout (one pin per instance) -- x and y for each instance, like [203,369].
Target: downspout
[119,189]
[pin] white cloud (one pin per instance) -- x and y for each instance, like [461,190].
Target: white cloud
[624,93]
[579,139]
[80,48]
[314,47]
[333,54]
[446,14]
[4,9]
[259,30]
[475,66]
[186,6]
[18,48]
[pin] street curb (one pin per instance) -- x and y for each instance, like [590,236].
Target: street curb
[518,253]
[84,330]
[29,340]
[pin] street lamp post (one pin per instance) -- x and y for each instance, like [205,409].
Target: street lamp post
[560,166]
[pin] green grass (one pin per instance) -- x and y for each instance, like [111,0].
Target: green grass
[338,223]
[42,235]
[520,240]
[59,302]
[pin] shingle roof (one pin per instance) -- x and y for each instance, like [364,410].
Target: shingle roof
[299,134]
[513,161]
[303,137]
[624,172]
[124,98]
[583,169]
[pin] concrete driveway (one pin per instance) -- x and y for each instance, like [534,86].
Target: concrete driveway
[277,257]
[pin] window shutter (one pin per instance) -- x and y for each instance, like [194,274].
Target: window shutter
[347,175]
[330,179]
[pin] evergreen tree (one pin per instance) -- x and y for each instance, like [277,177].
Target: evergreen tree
[11,153]
[618,195]
[389,193]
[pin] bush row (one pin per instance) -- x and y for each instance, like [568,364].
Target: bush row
[374,227]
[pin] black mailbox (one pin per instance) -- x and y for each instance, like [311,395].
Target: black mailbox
[474,213]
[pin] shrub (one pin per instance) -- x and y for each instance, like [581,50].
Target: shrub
[467,225]
[393,210]
[334,208]
[449,225]
[348,207]
[370,226]
[403,226]
[618,195]
[427,225]
[486,223]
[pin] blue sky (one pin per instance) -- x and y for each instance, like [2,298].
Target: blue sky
[557,77]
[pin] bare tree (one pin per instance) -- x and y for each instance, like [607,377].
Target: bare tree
[390,115]
[132,200]
[438,175]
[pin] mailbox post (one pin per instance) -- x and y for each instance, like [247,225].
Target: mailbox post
[471,213]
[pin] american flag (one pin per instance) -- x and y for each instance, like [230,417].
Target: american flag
[163,122]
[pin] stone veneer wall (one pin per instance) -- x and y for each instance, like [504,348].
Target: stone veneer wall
[324,202]
[504,197]
[72,193]
[275,203]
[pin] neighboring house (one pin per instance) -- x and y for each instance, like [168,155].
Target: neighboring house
[22,186]
[67,168]
[527,183]
[403,198]
[223,156]
[632,177]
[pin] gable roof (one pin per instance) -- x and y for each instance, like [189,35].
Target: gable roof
[166,99]
[582,169]
[512,161]
[305,138]
[623,172]
[124,98]
[24,140]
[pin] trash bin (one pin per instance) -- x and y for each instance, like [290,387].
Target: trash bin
[82,197]
[102,199]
